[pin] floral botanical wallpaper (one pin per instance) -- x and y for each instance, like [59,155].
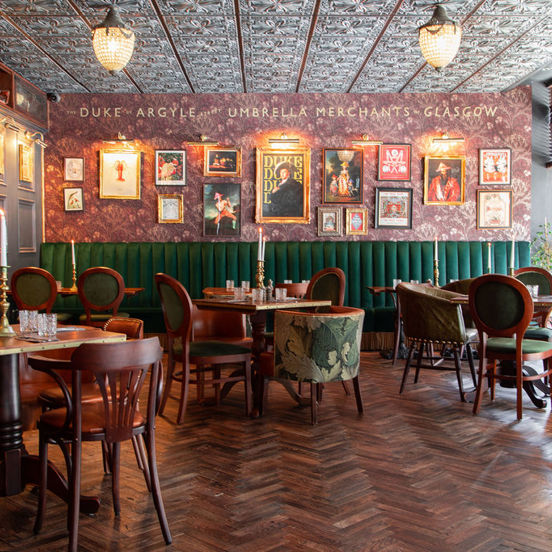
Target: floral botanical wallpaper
[83,124]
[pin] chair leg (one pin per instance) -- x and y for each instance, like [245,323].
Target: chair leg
[358,396]
[314,402]
[519,388]
[346,388]
[43,455]
[492,381]
[478,393]
[116,475]
[106,457]
[141,458]
[429,351]
[407,367]
[458,367]
[398,329]
[248,390]
[168,383]
[469,354]
[74,495]
[184,391]
[260,392]
[156,488]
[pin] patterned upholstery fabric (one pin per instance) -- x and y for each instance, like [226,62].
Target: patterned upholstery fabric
[318,347]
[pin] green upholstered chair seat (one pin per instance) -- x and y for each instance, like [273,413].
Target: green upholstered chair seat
[507,345]
[211,348]
[98,317]
[536,332]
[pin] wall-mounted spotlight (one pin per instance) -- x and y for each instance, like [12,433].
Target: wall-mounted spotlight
[367,141]
[283,141]
[448,140]
[203,141]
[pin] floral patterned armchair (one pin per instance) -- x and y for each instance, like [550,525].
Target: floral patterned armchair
[314,347]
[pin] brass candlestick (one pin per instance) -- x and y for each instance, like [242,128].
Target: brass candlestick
[436,273]
[511,271]
[5,329]
[74,286]
[259,277]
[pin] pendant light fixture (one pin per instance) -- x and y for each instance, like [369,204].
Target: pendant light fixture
[439,38]
[113,41]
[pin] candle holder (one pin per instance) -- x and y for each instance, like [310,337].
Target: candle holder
[74,286]
[259,277]
[436,273]
[511,271]
[5,329]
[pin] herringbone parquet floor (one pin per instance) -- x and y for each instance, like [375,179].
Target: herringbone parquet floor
[415,473]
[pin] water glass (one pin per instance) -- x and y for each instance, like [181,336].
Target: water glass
[414,281]
[239,293]
[257,295]
[58,285]
[24,321]
[281,294]
[246,286]
[49,325]
[229,285]
[305,281]
[396,282]
[533,290]
[288,282]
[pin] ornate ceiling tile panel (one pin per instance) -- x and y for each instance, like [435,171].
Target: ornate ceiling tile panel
[195,7]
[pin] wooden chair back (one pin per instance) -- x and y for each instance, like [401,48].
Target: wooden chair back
[176,306]
[33,288]
[100,289]
[296,289]
[133,328]
[328,283]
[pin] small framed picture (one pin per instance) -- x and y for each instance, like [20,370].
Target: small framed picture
[170,168]
[119,174]
[494,208]
[73,169]
[342,178]
[393,208]
[394,162]
[26,163]
[222,209]
[444,179]
[357,221]
[221,161]
[495,166]
[73,199]
[329,221]
[169,208]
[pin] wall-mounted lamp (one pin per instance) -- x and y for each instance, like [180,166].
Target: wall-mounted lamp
[283,141]
[121,140]
[203,141]
[445,139]
[366,141]
[9,123]
[36,137]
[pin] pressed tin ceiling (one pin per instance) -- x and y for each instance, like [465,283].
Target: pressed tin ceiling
[276,46]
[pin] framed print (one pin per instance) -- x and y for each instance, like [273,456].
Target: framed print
[222,209]
[494,208]
[119,174]
[495,166]
[329,221]
[394,162]
[283,185]
[169,208]
[342,178]
[220,161]
[170,168]
[444,180]
[357,221]
[26,163]
[2,149]
[393,208]
[73,199]
[73,169]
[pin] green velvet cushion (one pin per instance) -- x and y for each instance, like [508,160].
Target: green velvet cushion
[499,305]
[507,345]
[217,348]
[101,288]
[535,332]
[536,278]
[33,289]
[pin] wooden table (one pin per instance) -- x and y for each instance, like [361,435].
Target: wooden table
[67,292]
[17,467]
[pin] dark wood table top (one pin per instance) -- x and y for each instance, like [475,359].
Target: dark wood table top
[248,306]
[65,291]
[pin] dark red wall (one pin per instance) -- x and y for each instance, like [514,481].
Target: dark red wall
[80,122]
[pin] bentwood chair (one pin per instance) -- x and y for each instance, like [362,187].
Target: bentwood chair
[316,348]
[328,283]
[120,370]
[431,320]
[535,275]
[502,309]
[101,291]
[205,356]
[295,289]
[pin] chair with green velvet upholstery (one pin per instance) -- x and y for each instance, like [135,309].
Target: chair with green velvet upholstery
[316,348]
[502,309]
[431,320]
[534,275]
[462,287]
[101,291]
[328,283]
[205,356]
[34,288]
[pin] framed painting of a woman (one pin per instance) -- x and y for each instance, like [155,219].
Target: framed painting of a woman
[342,178]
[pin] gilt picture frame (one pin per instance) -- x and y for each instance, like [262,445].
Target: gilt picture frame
[170,167]
[283,185]
[26,163]
[119,174]
[330,221]
[170,208]
[221,161]
[356,221]
[494,208]
[444,180]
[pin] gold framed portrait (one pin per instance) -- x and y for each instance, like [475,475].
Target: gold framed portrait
[26,163]
[283,185]
[119,174]
[444,180]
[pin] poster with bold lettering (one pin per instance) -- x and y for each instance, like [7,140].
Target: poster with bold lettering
[283,185]
[394,162]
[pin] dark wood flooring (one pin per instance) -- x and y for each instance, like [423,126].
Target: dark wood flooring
[415,473]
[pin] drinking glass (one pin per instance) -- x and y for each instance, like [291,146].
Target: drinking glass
[58,285]
[33,321]
[229,285]
[414,281]
[239,293]
[41,324]
[50,327]
[288,282]
[396,282]
[24,321]
[281,294]
[246,286]
[257,295]
[533,290]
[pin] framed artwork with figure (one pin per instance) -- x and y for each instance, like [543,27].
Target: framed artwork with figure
[73,169]
[222,209]
[444,180]
[119,174]
[283,185]
[329,221]
[170,168]
[495,166]
[393,208]
[394,162]
[342,176]
[26,163]
[494,208]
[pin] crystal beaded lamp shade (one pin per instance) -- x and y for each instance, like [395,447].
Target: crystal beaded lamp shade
[439,39]
[113,42]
